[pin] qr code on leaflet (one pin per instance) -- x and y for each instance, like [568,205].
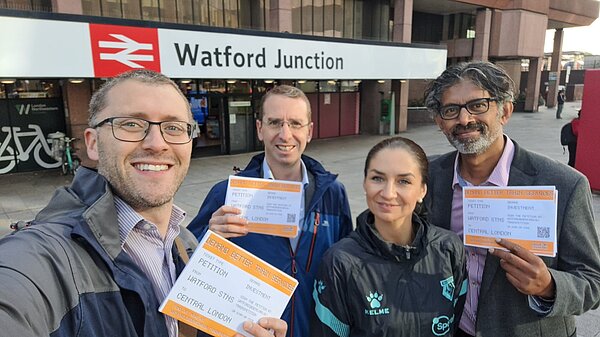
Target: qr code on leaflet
[291,217]
[543,232]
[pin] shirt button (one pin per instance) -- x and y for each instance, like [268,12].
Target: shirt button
[147,226]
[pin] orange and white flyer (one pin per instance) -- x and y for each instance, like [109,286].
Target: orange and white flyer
[223,285]
[270,206]
[525,215]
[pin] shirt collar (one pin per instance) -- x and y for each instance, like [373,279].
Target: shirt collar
[500,174]
[128,218]
[268,174]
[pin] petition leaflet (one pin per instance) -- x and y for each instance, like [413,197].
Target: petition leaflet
[270,206]
[222,286]
[525,215]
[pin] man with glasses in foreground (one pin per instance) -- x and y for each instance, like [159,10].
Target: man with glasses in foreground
[284,125]
[511,292]
[100,258]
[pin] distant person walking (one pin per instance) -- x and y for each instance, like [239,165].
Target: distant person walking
[561,102]
[572,146]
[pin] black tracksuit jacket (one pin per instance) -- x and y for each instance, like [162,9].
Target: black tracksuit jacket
[368,287]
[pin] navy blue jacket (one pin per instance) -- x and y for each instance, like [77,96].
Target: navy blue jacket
[66,274]
[327,220]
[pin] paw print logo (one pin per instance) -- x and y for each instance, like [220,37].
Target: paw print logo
[320,287]
[375,300]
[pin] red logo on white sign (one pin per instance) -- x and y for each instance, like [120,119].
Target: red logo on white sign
[116,49]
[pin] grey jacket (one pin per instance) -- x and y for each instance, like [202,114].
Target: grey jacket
[66,274]
[504,311]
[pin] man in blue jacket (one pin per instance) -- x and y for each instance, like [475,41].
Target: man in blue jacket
[285,127]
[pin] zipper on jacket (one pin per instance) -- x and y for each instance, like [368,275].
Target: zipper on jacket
[316,223]
[407,252]
[292,304]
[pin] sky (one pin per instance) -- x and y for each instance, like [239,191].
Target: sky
[584,39]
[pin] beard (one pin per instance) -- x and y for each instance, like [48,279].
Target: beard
[474,145]
[139,195]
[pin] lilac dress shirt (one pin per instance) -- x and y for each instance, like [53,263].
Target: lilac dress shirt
[141,240]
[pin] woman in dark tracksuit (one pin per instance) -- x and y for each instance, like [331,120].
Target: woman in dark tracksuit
[396,274]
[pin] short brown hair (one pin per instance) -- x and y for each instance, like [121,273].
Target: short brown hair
[98,101]
[287,91]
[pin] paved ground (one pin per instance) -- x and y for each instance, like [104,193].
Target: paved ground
[22,195]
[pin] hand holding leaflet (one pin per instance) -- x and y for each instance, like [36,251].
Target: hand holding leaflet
[525,215]
[270,206]
[223,286]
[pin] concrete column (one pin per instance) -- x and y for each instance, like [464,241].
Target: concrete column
[76,97]
[67,6]
[483,24]
[555,66]
[533,84]
[403,12]
[280,16]
[513,69]
[400,88]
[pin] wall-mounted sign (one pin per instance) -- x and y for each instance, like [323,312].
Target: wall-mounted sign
[55,48]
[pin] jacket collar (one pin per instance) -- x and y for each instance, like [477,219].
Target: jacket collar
[365,229]
[323,178]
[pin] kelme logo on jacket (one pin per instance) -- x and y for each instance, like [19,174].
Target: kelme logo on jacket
[448,287]
[441,325]
[374,300]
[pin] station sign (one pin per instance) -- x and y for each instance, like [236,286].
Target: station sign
[69,49]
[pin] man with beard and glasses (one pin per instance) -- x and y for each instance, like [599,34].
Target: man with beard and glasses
[511,292]
[100,257]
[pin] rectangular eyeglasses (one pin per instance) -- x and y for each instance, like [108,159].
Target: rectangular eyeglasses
[133,129]
[475,107]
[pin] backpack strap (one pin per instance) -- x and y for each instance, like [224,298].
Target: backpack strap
[185,330]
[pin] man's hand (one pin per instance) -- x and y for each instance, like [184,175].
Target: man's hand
[266,327]
[524,270]
[226,222]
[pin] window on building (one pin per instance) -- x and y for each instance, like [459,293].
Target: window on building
[185,11]
[168,10]
[215,12]
[328,86]
[328,18]
[338,18]
[230,13]
[33,89]
[307,86]
[349,86]
[239,87]
[150,10]
[317,17]
[348,21]
[111,8]
[307,18]
[201,12]
[131,9]
[91,7]
[251,14]
[28,5]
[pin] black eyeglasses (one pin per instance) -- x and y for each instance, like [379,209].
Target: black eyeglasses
[475,107]
[133,129]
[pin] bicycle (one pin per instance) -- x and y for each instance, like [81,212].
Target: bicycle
[9,157]
[70,163]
